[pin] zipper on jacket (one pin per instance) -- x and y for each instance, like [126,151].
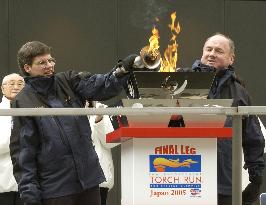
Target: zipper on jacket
[75,119]
[60,131]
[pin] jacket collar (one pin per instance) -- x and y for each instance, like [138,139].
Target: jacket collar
[42,85]
[221,78]
[222,74]
[200,67]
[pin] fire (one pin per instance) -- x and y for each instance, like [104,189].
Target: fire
[154,43]
[170,57]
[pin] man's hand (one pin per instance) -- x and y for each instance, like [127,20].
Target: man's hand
[128,62]
[98,118]
[125,65]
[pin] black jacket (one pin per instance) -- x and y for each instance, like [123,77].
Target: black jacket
[227,86]
[53,156]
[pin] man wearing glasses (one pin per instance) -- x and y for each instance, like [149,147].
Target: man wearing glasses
[53,156]
[12,84]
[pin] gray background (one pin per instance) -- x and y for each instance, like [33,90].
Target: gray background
[93,34]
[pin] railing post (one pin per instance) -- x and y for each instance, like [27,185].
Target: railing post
[237,160]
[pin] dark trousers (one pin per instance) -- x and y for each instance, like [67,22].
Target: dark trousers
[104,193]
[88,197]
[10,198]
[227,200]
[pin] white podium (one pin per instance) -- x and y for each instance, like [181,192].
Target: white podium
[168,166]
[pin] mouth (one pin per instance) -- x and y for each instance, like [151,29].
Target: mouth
[49,73]
[211,62]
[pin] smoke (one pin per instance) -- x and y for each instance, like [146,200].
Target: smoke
[146,12]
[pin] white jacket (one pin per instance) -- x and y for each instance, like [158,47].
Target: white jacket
[7,180]
[103,149]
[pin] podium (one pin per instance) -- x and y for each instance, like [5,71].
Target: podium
[168,166]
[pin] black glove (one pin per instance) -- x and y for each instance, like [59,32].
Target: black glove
[125,65]
[129,61]
[252,191]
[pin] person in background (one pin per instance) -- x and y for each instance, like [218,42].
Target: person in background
[12,84]
[218,56]
[100,126]
[53,156]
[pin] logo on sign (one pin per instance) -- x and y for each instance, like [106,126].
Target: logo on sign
[175,163]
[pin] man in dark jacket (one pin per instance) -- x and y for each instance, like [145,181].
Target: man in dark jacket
[53,156]
[218,56]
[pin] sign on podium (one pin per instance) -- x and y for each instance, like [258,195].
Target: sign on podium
[161,165]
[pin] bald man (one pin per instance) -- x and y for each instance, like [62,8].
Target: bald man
[218,56]
[11,85]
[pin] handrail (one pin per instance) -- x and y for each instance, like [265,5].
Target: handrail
[252,110]
[118,111]
[235,112]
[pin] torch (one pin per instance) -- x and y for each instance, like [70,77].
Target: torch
[149,55]
[148,58]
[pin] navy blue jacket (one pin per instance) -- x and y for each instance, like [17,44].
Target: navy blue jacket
[53,156]
[227,86]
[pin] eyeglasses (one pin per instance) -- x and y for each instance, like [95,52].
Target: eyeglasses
[12,84]
[44,63]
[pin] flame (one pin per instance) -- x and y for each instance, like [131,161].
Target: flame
[154,43]
[170,57]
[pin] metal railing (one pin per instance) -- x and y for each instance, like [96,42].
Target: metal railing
[235,112]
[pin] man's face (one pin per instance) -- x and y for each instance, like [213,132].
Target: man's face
[42,65]
[217,53]
[12,86]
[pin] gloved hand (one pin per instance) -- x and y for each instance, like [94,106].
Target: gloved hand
[252,191]
[128,62]
[125,65]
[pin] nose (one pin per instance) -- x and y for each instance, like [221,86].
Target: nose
[212,52]
[48,64]
[17,86]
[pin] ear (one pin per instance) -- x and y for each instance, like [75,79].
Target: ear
[232,59]
[27,68]
[2,88]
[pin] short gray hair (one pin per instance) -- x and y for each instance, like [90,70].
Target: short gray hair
[231,42]
[7,77]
